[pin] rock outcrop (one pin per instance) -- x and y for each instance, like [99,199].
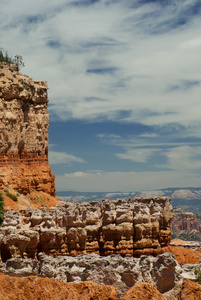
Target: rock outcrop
[143,291]
[24,126]
[137,226]
[16,288]
[122,273]
[190,291]
[186,225]
[183,255]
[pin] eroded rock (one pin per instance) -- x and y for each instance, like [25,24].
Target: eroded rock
[134,227]
[122,273]
[24,123]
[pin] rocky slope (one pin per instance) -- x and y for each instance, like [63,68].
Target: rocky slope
[33,287]
[136,226]
[35,199]
[24,126]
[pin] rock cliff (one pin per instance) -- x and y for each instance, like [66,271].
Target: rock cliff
[137,226]
[24,126]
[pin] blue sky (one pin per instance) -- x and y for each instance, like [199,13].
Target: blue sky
[124,83]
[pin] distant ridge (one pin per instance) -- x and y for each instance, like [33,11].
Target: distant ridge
[187,198]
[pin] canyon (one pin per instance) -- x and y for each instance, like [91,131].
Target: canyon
[186,226]
[50,249]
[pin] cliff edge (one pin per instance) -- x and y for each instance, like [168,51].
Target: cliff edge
[24,123]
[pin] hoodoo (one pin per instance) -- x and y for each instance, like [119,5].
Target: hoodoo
[24,123]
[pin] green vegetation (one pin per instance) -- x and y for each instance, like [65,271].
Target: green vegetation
[11,196]
[198,275]
[17,60]
[2,204]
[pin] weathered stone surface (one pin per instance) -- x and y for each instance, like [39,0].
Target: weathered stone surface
[137,226]
[122,273]
[32,287]
[143,291]
[190,291]
[24,126]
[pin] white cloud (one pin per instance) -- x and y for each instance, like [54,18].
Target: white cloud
[63,158]
[137,155]
[80,174]
[60,42]
[127,181]
[184,158]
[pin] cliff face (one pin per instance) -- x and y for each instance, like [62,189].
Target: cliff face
[137,226]
[186,225]
[24,126]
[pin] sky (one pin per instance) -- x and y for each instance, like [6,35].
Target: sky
[124,81]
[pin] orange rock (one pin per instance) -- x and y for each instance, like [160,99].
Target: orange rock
[183,255]
[143,291]
[33,287]
[190,291]
[33,200]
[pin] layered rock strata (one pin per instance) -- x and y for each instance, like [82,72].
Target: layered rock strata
[122,273]
[24,126]
[136,226]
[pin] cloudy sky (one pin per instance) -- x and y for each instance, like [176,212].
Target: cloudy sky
[124,81]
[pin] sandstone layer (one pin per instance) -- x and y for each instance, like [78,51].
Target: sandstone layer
[24,123]
[137,226]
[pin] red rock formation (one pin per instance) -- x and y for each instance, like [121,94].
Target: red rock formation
[183,255]
[186,225]
[190,291]
[33,287]
[24,126]
[143,291]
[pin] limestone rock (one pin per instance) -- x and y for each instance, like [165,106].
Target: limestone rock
[24,126]
[134,227]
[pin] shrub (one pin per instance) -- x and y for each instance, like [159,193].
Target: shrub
[11,196]
[2,204]
[198,275]
[17,60]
